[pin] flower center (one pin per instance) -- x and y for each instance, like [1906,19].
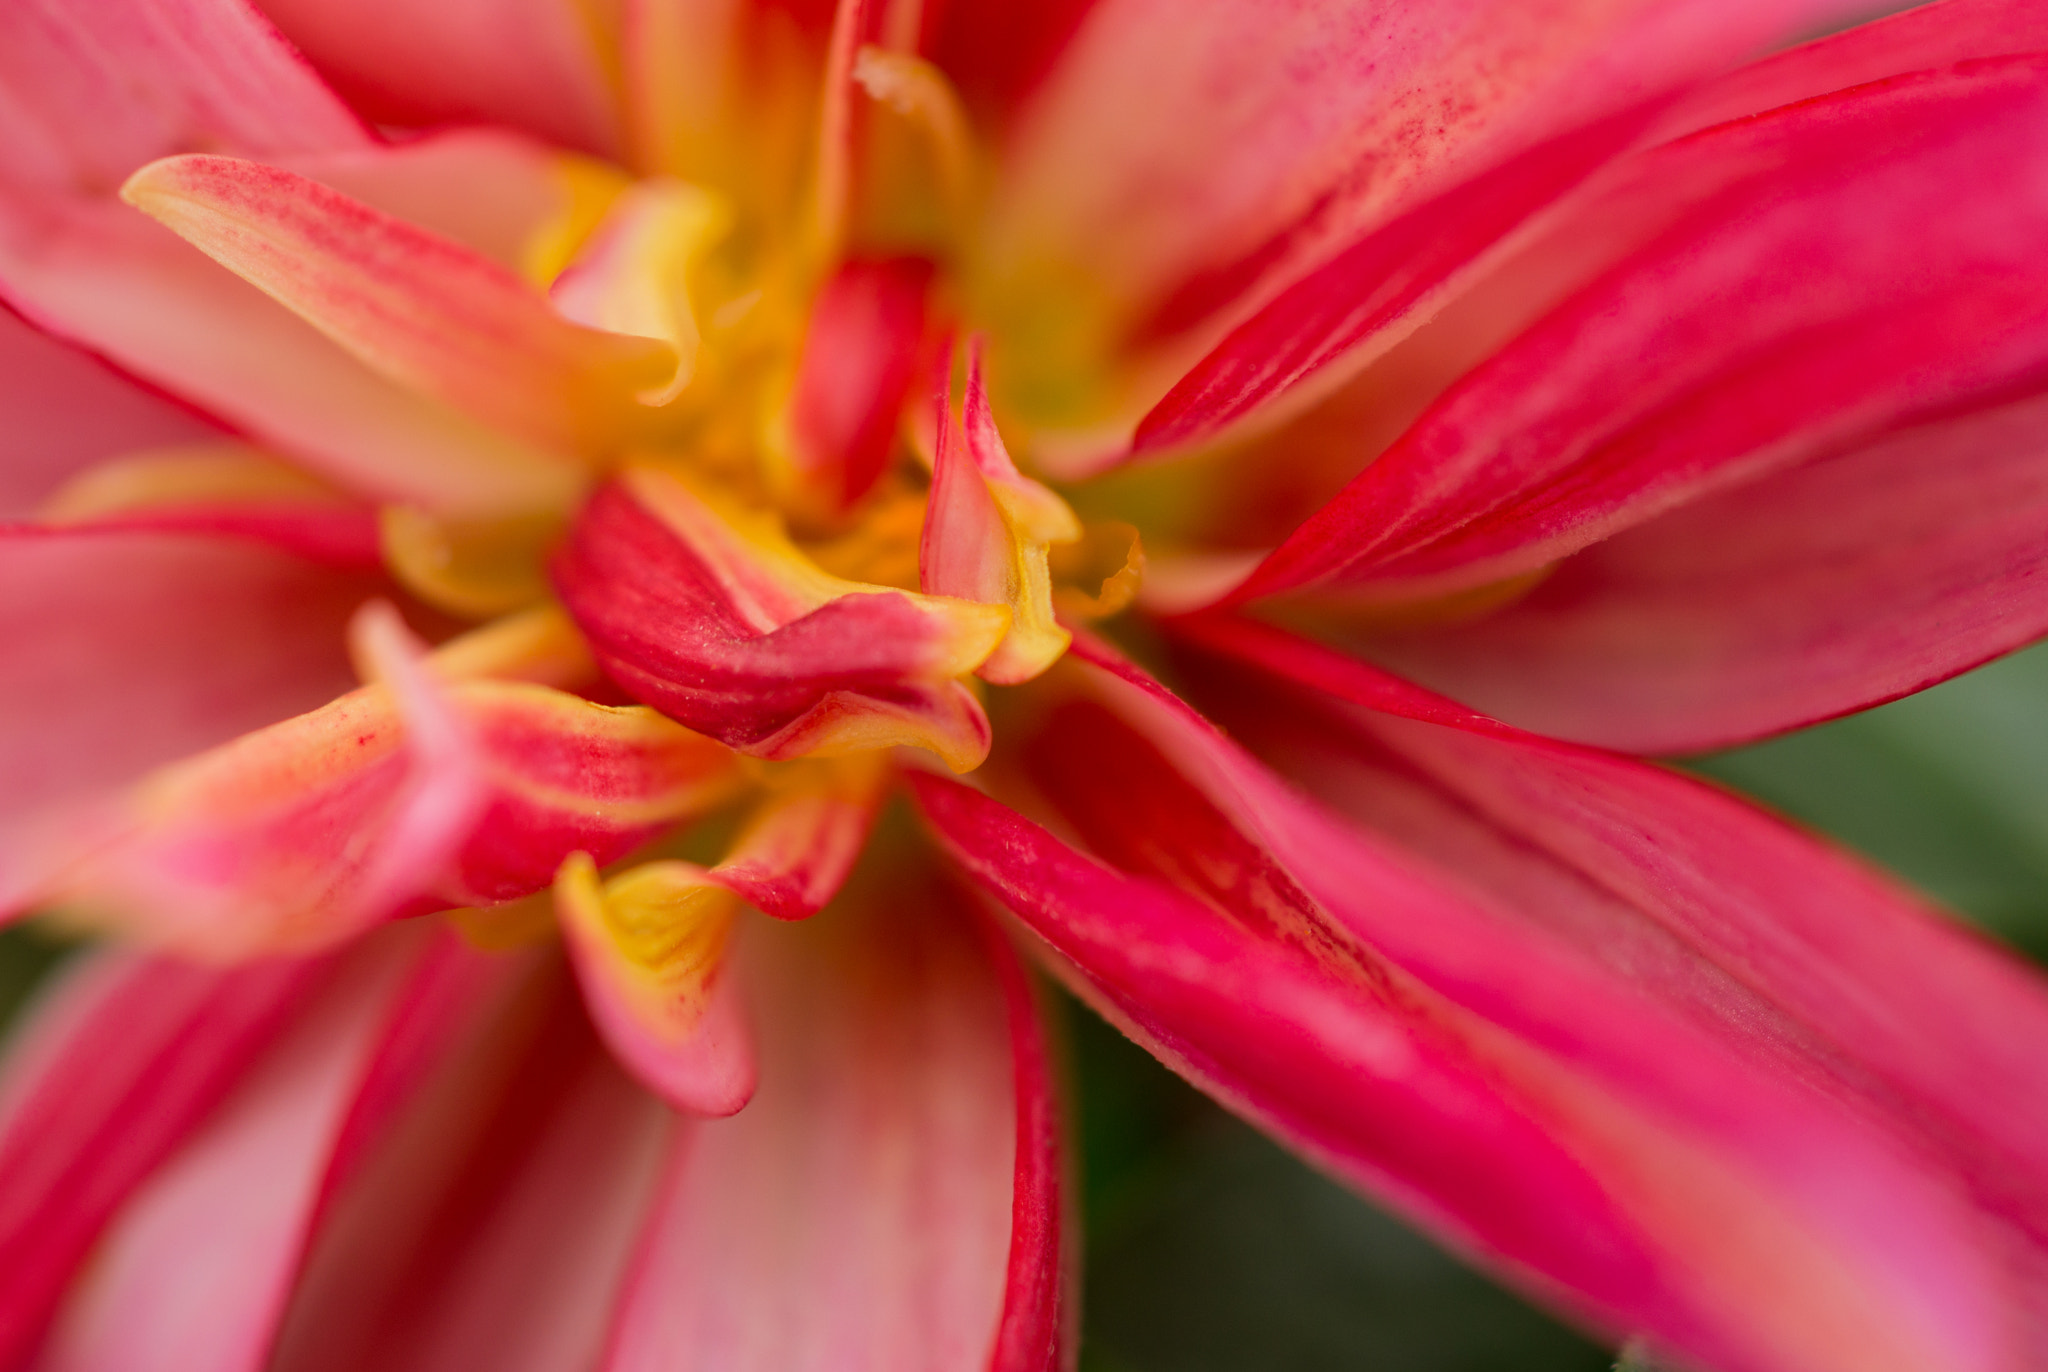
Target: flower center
[807,534]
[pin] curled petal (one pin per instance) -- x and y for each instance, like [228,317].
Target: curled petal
[988,533]
[861,1210]
[418,794]
[710,614]
[417,307]
[633,277]
[650,948]
[798,847]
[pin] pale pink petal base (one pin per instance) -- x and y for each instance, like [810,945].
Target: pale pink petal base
[859,1212]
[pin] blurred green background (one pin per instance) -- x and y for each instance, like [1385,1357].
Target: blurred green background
[1209,1249]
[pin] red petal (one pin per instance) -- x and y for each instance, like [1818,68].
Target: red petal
[859,357]
[732,632]
[1821,590]
[1340,316]
[1809,278]
[1343,975]
[1921,38]
[1180,179]
[115,1065]
[859,1211]
[532,64]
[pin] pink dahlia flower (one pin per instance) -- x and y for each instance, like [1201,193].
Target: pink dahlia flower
[506,491]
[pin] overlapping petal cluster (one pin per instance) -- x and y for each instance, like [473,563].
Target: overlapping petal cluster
[506,494]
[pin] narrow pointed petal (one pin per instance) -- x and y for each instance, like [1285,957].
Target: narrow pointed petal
[856,367]
[410,304]
[197,1270]
[98,274]
[1334,320]
[1303,969]
[97,90]
[67,410]
[650,948]
[230,636]
[1844,266]
[988,531]
[530,64]
[114,1066]
[711,615]
[437,793]
[859,1211]
[1747,613]
[1920,38]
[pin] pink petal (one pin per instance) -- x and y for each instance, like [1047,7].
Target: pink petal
[419,308]
[66,410]
[99,274]
[487,188]
[115,1065]
[733,633]
[197,1269]
[97,90]
[1522,1068]
[859,357]
[859,1212]
[493,1227]
[1824,589]
[532,64]
[152,646]
[1920,38]
[1837,268]
[415,795]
